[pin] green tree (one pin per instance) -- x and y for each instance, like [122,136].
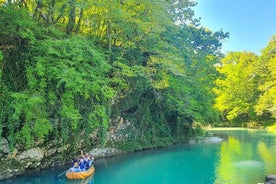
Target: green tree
[17,35]
[69,75]
[237,87]
[266,69]
[52,86]
[70,66]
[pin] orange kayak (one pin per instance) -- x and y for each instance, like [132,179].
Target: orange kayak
[80,175]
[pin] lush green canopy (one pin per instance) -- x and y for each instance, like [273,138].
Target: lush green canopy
[69,67]
[246,89]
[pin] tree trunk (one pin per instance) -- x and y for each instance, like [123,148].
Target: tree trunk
[72,17]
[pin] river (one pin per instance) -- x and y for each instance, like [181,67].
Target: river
[244,157]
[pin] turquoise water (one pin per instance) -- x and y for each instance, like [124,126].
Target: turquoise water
[244,157]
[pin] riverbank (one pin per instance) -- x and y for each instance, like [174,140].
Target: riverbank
[36,159]
[100,153]
[243,148]
[109,152]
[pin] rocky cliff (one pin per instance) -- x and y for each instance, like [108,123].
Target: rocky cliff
[47,154]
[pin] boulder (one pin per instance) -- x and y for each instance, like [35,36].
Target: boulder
[15,165]
[270,179]
[104,152]
[30,158]
[35,154]
[4,146]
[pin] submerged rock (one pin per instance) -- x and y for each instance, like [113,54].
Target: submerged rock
[207,140]
[270,179]
[212,140]
[249,164]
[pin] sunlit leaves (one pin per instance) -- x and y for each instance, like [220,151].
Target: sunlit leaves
[237,88]
[267,84]
[247,87]
[143,66]
[17,29]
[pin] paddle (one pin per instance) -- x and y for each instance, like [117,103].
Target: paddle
[61,174]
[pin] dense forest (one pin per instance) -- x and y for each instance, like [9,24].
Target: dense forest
[69,67]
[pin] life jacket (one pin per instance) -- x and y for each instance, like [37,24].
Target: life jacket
[88,164]
[82,165]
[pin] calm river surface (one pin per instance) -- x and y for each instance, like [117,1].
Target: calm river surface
[244,157]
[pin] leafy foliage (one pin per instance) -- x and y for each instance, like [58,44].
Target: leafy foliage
[237,88]
[246,89]
[68,67]
[267,85]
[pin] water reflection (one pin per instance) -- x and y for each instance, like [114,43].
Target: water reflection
[268,156]
[88,180]
[245,157]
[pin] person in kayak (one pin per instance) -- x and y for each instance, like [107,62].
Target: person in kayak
[88,160]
